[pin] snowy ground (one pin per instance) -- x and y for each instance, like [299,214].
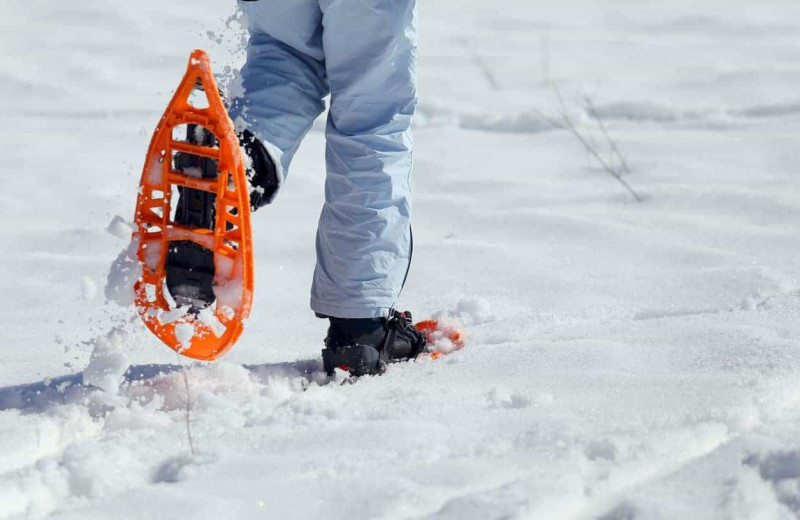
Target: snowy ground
[625,360]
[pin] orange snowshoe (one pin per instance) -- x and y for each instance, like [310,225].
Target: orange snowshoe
[193,223]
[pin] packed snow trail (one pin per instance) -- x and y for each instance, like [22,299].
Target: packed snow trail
[624,360]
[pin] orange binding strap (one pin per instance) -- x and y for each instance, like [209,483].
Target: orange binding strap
[213,331]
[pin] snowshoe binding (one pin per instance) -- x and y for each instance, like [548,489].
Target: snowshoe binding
[366,346]
[189,266]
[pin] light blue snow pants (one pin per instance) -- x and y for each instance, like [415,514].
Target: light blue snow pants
[362,52]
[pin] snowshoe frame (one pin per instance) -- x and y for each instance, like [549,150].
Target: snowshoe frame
[208,334]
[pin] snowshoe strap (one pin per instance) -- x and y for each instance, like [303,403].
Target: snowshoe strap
[387,350]
[401,323]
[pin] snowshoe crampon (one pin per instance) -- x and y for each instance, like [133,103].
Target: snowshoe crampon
[193,223]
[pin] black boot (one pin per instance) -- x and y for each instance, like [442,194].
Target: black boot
[190,267]
[365,346]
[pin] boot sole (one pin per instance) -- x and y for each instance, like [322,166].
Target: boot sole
[359,360]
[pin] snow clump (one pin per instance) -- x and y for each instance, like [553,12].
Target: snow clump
[108,362]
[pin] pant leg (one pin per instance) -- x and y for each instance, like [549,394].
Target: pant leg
[364,235]
[283,80]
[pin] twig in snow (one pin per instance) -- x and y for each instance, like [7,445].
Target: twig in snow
[568,124]
[611,142]
[188,411]
[481,65]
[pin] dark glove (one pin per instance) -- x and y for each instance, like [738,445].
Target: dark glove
[260,171]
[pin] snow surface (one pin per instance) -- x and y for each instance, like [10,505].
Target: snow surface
[624,360]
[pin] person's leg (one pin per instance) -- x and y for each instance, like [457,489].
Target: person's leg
[283,84]
[283,80]
[364,235]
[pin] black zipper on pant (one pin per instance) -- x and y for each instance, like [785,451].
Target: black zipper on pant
[410,256]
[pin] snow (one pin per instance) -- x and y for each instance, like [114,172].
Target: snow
[120,228]
[184,333]
[155,171]
[123,274]
[623,359]
[152,254]
[108,362]
[195,173]
[229,290]
[88,288]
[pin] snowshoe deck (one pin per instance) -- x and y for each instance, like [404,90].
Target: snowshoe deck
[206,330]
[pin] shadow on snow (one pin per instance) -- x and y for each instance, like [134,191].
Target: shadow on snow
[37,397]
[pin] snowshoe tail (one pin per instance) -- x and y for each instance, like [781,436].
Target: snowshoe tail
[193,223]
[442,338]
